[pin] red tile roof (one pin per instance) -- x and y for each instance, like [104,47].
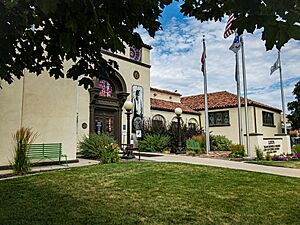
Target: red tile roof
[170,106]
[165,91]
[222,99]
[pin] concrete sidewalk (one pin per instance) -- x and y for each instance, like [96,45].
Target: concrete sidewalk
[8,174]
[226,164]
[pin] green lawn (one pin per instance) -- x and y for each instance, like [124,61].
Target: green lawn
[288,164]
[150,193]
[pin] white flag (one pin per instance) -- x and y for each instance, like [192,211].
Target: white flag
[274,67]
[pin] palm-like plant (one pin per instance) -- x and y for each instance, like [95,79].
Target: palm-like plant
[22,139]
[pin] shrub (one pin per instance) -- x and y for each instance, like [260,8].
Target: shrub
[102,147]
[110,154]
[22,139]
[293,133]
[220,143]
[259,153]
[170,130]
[296,148]
[237,151]
[155,143]
[296,156]
[268,157]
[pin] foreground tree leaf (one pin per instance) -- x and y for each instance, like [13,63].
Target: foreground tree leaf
[294,107]
[279,19]
[39,35]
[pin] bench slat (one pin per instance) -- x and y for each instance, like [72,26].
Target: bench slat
[194,145]
[49,150]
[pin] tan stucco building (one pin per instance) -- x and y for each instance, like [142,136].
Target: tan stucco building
[60,111]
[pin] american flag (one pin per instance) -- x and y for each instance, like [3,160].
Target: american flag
[203,57]
[228,31]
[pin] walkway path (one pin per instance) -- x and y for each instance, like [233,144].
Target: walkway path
[225,164]
[8,174]
[182,159]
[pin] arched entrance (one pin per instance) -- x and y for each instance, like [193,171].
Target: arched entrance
[106,101]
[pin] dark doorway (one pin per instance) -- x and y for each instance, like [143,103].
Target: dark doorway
[106,101]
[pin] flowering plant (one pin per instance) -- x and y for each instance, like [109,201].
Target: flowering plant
[284,157]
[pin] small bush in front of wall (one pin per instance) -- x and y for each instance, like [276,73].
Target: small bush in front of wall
[98,147]
[296,148]
[150,128]
[268,157]
[155,143]
[259,153]
[293,133]
[22,139]
[237,151]
[110,154]
[220,143]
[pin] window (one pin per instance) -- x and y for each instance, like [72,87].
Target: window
[192,124]
[158,121]
[219,118]
[268,118]
[106,88]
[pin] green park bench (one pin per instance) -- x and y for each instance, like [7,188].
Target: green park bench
[193,145]
[46,151]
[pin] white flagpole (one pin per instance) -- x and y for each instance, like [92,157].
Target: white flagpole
[206,103]
[238,87]
[245,98]
[282,92]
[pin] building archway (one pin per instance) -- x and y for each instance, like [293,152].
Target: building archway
[107,98]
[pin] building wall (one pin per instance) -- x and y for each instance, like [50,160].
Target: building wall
[231,131]
[170,116]
[10,117]
[126,69]
[225,130]
[268,130]
[56,109]
[165,96]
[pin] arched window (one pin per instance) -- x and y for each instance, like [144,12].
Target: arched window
[106,89]
[192,124]
[158,121]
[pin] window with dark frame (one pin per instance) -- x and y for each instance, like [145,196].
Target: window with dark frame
[268,118]
[192,126]
[220,118]
[158,121]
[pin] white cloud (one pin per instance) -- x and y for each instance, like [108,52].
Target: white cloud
[176,53]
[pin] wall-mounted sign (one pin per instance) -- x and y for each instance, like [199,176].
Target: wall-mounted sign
[138,133]
[135,54]
[136,75]
[272,146]
[137,93]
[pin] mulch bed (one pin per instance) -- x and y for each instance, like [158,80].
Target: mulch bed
[216,154]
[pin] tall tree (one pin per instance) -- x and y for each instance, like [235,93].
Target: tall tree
[39,35]
[294,107]
[279,19]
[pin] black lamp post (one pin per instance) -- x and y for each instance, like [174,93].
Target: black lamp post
[128,151]
[178,112]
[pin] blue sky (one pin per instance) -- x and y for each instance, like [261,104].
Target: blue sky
[176,53]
